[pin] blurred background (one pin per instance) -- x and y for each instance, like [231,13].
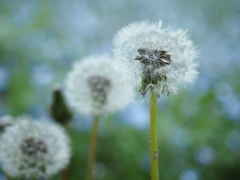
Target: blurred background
[199,128]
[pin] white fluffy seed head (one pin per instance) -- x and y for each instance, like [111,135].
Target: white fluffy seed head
[155,58]
[33,148]
[95,86]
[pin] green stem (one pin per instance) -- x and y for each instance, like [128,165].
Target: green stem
[93,147]
[153,138]
[65,171]
[7,177]
[65,174]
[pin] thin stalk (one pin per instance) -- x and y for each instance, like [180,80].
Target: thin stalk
[93,146]
[65,171]
[7,177]
[153,138]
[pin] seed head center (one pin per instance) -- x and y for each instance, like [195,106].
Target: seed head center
[152,59]
[32,147]
[155,57]
[99,86]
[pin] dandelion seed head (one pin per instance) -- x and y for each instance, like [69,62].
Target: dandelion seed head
[33,148]
[155,58]
[96,86]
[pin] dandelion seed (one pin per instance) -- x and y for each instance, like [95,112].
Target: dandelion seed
[96,87]
[158,59]
[32,149]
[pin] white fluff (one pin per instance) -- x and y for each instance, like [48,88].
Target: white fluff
[110,92]
[53,139]
[180,72]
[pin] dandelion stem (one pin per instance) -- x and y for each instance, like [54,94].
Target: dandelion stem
[7,177]
[65,171]
[65,174]
[153,138]
[93,147]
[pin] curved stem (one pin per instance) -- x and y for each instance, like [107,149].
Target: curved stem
[153,138]
[93,147]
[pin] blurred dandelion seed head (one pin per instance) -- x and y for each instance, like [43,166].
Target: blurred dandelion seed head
[33,148]
[96,86]
[155,58]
